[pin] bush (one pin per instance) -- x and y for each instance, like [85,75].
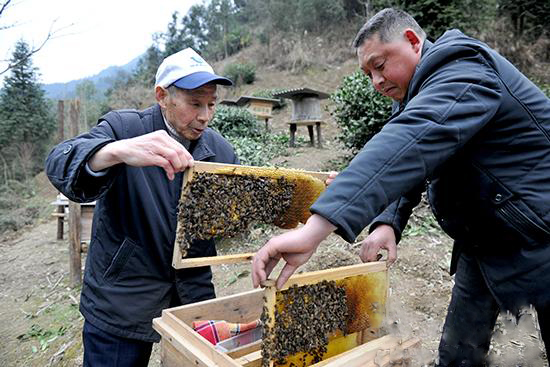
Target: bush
[257,152]
[235,121]
[359,111]
[240,73]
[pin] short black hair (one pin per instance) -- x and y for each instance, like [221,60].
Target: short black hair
[388,24]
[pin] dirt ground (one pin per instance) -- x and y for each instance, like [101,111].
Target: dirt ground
[40,324]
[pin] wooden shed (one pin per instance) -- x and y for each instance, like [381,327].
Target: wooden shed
[306,111]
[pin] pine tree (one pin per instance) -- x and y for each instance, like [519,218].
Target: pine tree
[26,119]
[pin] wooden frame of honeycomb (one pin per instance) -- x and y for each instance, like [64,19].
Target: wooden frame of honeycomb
[308,186]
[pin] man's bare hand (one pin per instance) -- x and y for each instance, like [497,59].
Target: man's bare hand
[153,149]
[295,247]
[383,237]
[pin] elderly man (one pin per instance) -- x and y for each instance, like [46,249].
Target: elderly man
[131,163]
[468,124]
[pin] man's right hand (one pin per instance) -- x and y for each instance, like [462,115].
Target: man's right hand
[383,237]
[153,149]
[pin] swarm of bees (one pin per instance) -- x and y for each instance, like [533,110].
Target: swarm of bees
[239,200]
[305,316]
[226,203]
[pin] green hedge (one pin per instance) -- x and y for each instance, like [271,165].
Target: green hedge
[240,73]
[359,110]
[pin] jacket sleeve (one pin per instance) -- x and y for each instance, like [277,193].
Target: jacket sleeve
[66,165]
[452,104]
[398,213]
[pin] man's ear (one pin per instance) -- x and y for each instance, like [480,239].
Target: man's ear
[414,39]
[161,95]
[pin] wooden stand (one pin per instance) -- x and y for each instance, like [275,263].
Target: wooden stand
[182,346]
[294,125]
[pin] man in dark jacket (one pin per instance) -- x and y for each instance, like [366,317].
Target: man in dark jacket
[477,131]
[131,163]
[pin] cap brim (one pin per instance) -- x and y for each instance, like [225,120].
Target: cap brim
[200,78]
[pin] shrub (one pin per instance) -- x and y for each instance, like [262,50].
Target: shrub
[359,111]
[235,121]
[257,151]
[240,73]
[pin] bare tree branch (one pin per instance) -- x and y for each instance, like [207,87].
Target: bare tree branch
[4,6]
[51,35]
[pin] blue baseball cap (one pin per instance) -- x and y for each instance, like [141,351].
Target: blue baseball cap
[186,69]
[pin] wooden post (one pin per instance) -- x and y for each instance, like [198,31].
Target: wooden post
[60,120]
[75,250]
[75,117]
[318,127]
[60,220]
[292,134]
[311,139]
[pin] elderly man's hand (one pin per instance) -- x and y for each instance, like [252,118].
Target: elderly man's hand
[153,149]
[331,176]
[383,237]
[295,247]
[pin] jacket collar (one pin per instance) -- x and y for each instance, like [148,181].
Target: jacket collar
[199,149]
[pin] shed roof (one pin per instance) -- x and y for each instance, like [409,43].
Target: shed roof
[299,93]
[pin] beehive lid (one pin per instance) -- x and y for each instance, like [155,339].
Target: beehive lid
[299,93]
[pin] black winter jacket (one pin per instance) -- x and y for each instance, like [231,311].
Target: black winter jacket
[129,278]
[477,131]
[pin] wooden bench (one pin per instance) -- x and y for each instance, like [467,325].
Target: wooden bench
[309,123]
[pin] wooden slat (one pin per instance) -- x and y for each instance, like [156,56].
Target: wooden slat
[214,260]
[245,349]
[251,360]
[334,274]
[243,307]
[363,352]
[184,345]
[185,338]
[215,168]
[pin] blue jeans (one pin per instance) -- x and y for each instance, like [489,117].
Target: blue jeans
[471,319]
[106,350]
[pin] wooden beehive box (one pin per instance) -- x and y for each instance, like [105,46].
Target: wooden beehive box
[182,346]
[178,259]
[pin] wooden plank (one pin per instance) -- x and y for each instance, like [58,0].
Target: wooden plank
[215,167]
[243,307]
[214,260]
[245,349]
[184,337]
[75,227]
[253,359]
[185,347]
[363,352]
[306,122]
[270,302]
[170,356]
[334,274]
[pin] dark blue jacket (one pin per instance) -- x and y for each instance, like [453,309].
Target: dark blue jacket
[478,132]
[129,278]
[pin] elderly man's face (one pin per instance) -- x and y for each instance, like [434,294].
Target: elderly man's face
[391,65]
[188,111]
